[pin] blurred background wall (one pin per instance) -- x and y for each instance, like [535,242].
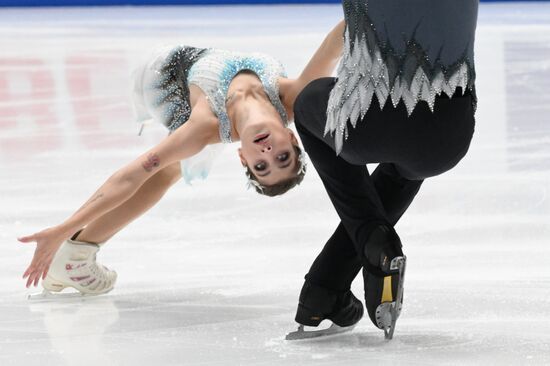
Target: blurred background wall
[171,2]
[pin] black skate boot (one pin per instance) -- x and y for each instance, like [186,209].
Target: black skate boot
[383,276]
[318,303]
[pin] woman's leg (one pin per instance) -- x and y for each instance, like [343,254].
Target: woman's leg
[75,263]
[103,228]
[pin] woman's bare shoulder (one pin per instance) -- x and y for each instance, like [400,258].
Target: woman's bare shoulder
[288,90]
[203,120]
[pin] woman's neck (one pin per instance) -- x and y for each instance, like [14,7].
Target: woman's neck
[245,96]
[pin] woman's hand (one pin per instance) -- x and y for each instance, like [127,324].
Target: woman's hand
[47,242]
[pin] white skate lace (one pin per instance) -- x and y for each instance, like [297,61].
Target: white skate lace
[89,274]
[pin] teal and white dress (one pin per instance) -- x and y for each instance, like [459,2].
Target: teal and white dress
[161,91]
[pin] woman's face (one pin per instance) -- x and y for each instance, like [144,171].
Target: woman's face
[268,150]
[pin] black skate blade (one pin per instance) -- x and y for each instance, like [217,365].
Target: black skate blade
[308,334]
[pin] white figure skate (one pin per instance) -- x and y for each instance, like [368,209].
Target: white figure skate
[75,266]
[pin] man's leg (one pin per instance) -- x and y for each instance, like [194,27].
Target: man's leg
[376,244]
[349,186]
[338,264]
[355,197]
[395,191]
[339,254]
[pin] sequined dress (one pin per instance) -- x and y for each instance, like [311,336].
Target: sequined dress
[401,50]
[161,91]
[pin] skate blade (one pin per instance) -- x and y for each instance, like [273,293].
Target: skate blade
[399,264]
[46,295]
[308,334]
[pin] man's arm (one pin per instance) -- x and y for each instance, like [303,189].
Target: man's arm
[322,64]
[325,59]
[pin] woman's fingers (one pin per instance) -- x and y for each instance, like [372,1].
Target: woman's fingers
[41,273]
[30,280]
[33,279]
[36,271]
[30,276]
[31,271]
[43,255]
[45,273]
[27,239]
[32,268]
[27,272]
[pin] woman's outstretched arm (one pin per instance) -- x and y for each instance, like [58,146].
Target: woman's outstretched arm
[322,64]
[186,141]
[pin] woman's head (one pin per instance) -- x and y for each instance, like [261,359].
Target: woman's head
[269,151]
[283,185]
[273,159]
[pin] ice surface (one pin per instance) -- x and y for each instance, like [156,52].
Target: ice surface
[211,275]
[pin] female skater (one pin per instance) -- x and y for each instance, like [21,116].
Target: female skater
[204,97]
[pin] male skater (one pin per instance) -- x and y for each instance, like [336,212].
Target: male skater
[404,98]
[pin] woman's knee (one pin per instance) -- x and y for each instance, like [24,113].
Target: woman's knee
[169,175]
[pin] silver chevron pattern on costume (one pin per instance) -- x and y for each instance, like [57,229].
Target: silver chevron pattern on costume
[371,67]
[352,95]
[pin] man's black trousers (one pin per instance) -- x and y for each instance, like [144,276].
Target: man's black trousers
[408,150]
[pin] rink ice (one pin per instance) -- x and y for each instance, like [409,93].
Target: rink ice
[211,275]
